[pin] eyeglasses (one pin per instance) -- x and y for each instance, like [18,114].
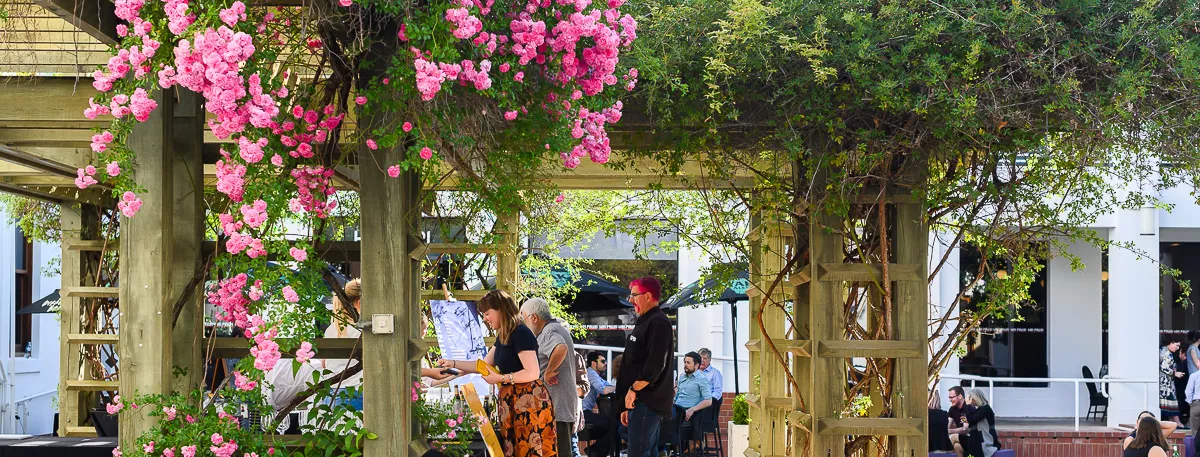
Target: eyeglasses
[633,295]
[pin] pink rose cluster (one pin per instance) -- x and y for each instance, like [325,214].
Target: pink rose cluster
[130,204]
[221,448]
[589,129]
[115,406]
[229,297]
[242,382]
[305,353]
[84,176]
[212,66]
[315,187]
[265,351]
[578,51]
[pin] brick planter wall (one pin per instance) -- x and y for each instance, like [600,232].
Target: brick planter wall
[1030,443]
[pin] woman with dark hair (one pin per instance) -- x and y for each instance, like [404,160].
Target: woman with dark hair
[1148,441]
[1167,373]
[526,414]
[1168,428]
[939,425]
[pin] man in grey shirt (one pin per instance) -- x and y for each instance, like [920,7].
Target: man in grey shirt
[556,360]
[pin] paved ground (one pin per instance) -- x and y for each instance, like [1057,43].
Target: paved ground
[1050,424]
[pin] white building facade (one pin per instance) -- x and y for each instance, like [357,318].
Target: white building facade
[29,344]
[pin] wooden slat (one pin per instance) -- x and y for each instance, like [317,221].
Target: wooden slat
[877,426]
[80,432]
[865,272]
[797,347]
[800,419]
[882,349]
[91,245]
[801,276]
[453,248]
[92,338]
[467,295]
[757,401]
[92,385]
[327,348]
[92,292]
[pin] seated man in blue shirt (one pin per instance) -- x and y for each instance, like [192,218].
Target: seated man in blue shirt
[710,372]
[692,392]
[599,386]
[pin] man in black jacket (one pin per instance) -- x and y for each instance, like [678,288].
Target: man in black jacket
[645,378]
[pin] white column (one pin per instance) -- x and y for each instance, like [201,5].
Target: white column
[946,286]
[1074,320]
[1133,320]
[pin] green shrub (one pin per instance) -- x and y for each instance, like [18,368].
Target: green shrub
[741,410]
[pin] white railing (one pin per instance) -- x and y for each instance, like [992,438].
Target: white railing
[21,407]
[1103,382]
[609,350]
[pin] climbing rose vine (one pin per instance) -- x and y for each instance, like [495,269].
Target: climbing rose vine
[522,81]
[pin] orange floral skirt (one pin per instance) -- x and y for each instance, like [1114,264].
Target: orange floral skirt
[526,417]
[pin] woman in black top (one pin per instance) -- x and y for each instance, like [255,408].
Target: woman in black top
[1149,440]
[939,425]
[526,415]
[984,441]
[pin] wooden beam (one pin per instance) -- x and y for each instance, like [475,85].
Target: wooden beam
[327,348]
[867,272]
[798,347]
[96,17]
[92,385]
[30,193]
[881,349]
[89,245]
[91,292]
[878,426]
[92,338]
[145,267]
[17,156]
[827,322]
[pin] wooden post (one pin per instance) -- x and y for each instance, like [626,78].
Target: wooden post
[188,230]
[77,222]
[390,287]
[911,314]
[827,324]
[769,238]
[508,227]
[145,337]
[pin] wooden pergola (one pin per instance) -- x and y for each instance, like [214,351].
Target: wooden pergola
[44,139]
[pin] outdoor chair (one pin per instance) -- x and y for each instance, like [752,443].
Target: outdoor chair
[710,426]
[1096,400]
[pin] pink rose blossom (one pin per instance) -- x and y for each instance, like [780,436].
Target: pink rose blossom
[305,352]
[148,447]
[188,451]
[361,100]
[299,254]
[407,127]
[113,169]
[372,145]
[426,153]
[290,294]
[394,171]
[129,204]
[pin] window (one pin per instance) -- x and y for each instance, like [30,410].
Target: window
[1013,345]
[23,287]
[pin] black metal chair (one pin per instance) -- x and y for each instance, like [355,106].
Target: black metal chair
[711,426]
[1096,400]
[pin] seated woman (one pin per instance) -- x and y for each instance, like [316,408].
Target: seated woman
[939,426]
[1167,427]
[1149,442]
[984,441]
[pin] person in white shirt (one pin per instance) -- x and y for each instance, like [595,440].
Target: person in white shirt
[1192,395]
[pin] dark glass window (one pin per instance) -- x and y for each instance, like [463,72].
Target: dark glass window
[1012,344]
